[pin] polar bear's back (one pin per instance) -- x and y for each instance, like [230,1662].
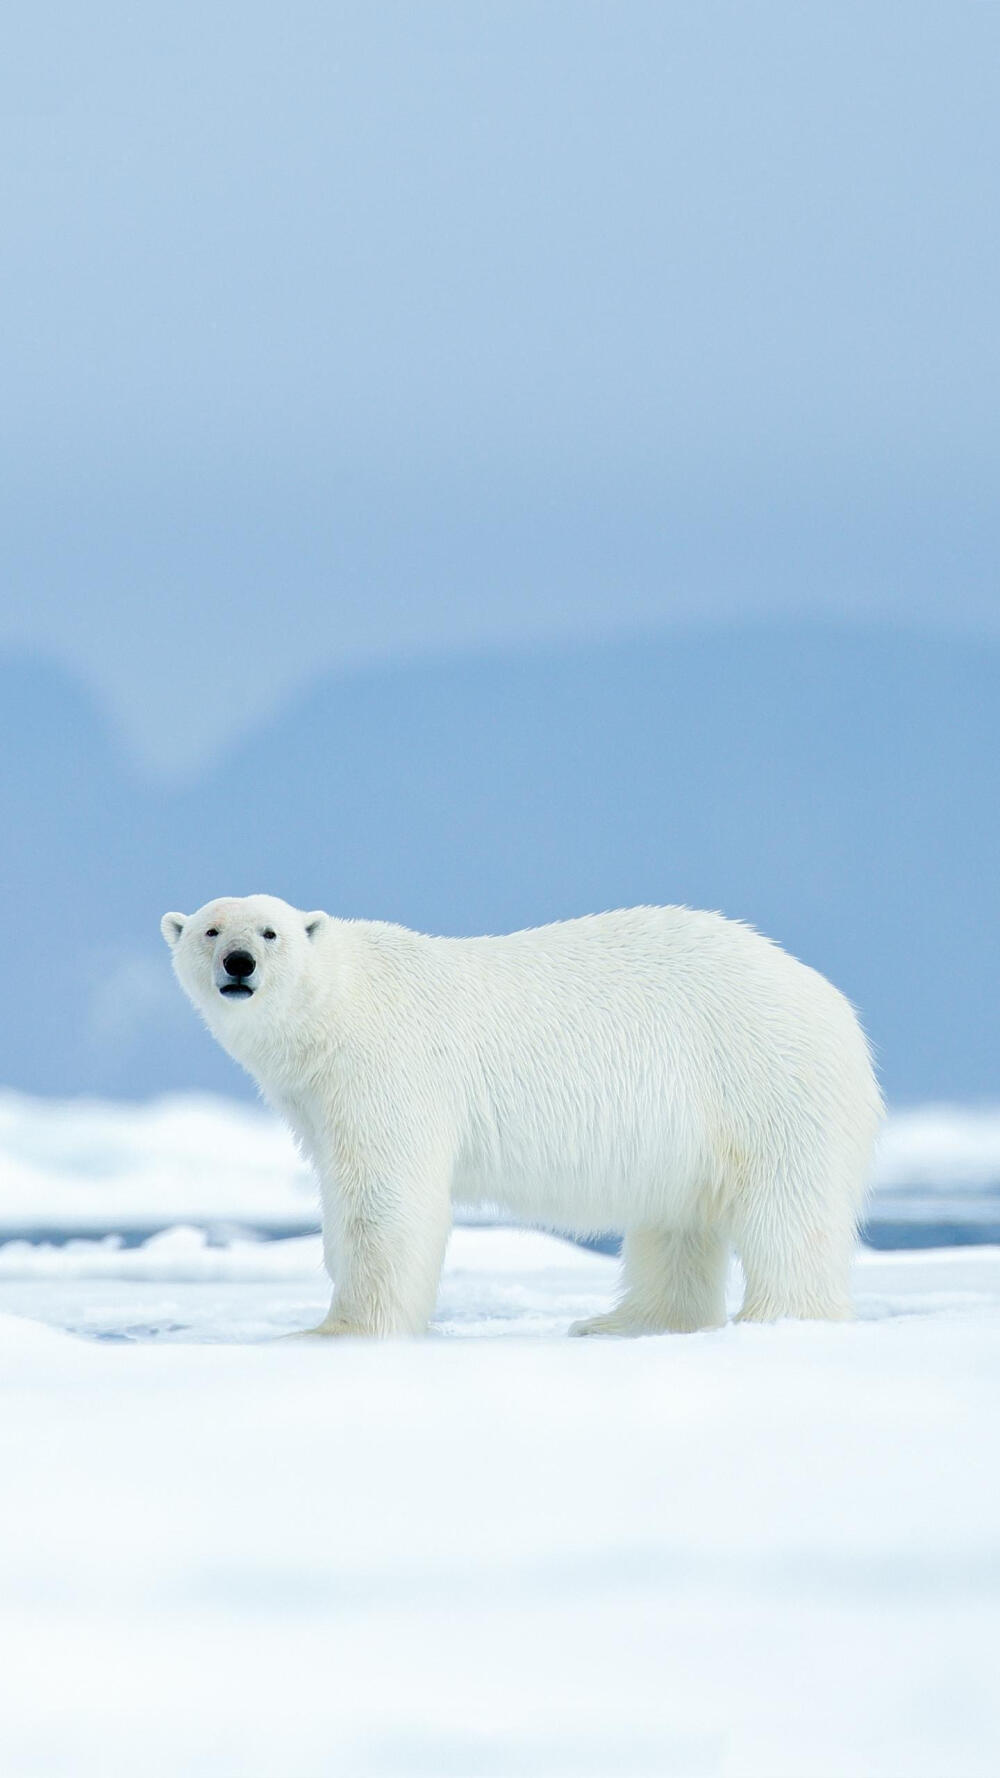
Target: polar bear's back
[596,1065]
[674,975]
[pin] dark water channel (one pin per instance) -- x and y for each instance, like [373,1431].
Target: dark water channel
[884,1234]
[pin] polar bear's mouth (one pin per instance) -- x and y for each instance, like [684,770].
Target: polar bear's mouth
[236,990]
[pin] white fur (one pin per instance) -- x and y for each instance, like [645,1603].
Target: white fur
[658,1070]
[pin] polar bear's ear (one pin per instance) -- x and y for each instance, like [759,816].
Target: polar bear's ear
[315,922]
[171,926]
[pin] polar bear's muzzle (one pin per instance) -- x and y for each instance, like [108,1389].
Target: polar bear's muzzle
[239,966]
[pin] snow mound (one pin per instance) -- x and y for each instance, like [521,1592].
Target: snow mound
[92,1164]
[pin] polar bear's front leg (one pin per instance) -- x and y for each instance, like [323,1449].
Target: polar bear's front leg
[384,1251]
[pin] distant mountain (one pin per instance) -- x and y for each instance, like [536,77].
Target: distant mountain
[839,788]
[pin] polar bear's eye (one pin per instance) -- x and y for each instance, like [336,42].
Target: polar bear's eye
[213,932]
[269,932]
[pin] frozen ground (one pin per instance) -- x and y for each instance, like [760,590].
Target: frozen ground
[753,1553]
[756,1553]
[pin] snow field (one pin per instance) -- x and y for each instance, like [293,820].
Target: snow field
[760,1552]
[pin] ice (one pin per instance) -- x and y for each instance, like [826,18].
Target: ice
[89,1166]
[940,1163]
[940,1145]
[93,1164]
[759,1552]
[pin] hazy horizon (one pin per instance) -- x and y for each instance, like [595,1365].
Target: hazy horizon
[371,332]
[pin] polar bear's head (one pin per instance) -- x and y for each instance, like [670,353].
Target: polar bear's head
[242,954]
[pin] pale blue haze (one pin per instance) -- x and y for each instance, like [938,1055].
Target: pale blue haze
[473,463]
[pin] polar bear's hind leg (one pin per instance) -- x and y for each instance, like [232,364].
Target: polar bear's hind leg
[796,1253]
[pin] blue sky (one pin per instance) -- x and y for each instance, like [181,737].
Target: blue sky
[339,333]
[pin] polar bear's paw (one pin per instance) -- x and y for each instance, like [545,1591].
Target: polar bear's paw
[334,1326]
[614,1324]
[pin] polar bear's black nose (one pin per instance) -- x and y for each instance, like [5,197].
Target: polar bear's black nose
[239,963]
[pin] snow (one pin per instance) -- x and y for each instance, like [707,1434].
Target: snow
[759,1552]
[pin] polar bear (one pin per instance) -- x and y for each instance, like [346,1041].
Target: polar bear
[660,1071]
